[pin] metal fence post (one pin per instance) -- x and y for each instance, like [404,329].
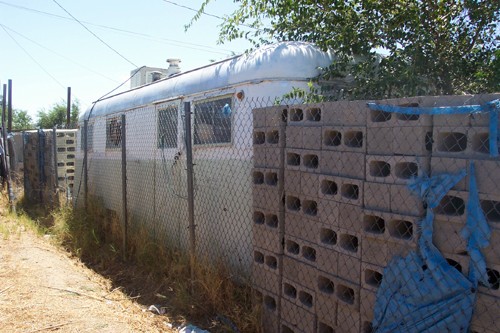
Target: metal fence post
[85,161]
[54,151]
[124,185]
[190,187]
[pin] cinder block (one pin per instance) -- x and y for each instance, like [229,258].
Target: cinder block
[328,212]
[349,242]
[294,137]
[275,137]
[343,164]
[300,227]
[414,141]
[341,189]
[293,180]
[327,259]
[299,272]
[377,196]
[348,320]
[299,295]
[485,314]
[380,140]
[451,165]
[276,116]
[275,158]
[295,319]
[395,169]
[309,183]
[311,137]
[371,277]
[388,119]
[267,231]
[452,207]
[311,161]
[350,217]
[487,175]
[267,199]
[267,178]
[490,204]
[259,117]
[405,202]
[349,268]
[293,159]
[479,138]
[301,250]
[307,114]
[345,113]
[270,305]
[266,269]
[494,280]
[327,324]
[375,251]
[451,141]
[344,138]
[259,137]
[326,301]
[492,252]
[367,305]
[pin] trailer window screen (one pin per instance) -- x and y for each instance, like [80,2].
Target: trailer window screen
[167,127]
[212,121]
[113,132]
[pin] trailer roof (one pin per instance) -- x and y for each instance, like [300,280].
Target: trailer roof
[281,61]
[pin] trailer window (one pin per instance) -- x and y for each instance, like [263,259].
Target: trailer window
[212,121]
[113,132]
[167,127]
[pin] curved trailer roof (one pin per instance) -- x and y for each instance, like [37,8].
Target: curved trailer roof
[282,61]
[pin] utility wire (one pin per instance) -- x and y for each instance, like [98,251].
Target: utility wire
[199,47]
[193,10]
[32,58]
[58,54]
[93,34]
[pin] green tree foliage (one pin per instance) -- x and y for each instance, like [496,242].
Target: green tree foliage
[427,46]
[56,116]
[21,120]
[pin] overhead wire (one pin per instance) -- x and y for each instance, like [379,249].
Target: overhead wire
[93,34]
[184,44]
[58,54]
[32,58]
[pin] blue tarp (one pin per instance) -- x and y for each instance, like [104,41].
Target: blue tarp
[423,292]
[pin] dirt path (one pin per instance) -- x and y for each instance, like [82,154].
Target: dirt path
[43,290]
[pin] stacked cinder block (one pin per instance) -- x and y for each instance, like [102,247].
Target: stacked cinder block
[345,209]
[66,149]
[460,140]
[268,212]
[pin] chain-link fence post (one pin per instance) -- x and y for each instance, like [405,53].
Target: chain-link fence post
[85,161]
[190,187]
[124,186]
[54,150]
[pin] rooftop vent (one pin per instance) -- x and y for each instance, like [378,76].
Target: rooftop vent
[173,67]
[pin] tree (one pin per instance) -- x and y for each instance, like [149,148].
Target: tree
[21,120]
[428,46]
[56,116]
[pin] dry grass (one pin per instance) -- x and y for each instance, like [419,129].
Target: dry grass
[152,274]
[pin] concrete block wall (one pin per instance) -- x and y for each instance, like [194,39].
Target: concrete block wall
[344,209]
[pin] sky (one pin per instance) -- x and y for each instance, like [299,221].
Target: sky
[43,50]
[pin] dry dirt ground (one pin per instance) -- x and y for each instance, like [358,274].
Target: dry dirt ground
[43,289]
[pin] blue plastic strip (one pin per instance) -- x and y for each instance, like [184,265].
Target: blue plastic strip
[491,107]
[476,232]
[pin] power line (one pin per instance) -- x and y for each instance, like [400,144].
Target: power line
[32,58]
[93,34]
[58,54]
[194,10]
[199,47]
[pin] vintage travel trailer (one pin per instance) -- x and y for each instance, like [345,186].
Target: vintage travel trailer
[222,96]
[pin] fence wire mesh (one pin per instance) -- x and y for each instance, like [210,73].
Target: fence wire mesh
[313,204]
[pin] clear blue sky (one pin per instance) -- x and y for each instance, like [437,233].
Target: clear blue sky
[59,52]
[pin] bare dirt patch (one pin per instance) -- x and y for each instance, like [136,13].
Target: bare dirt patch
[43,289]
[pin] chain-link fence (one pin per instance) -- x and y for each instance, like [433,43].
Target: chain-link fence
[345,216]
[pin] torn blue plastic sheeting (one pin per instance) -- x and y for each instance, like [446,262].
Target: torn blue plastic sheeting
[492,107]
[422,292]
